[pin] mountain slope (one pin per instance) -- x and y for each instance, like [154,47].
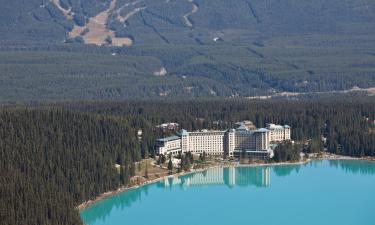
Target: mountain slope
[174,21]
[121,49]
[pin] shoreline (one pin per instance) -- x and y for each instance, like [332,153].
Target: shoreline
[109,194]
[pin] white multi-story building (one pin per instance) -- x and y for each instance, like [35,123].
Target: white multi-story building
[211,142]
[255,143]
[278,133]
[169,145]
[233,142]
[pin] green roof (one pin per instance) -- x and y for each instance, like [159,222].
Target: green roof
[262,130]
[171,138]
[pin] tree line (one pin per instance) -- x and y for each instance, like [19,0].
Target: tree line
[52,160]
[346,123]
[54,157]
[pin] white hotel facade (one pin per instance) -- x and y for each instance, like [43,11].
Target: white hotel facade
[233,142]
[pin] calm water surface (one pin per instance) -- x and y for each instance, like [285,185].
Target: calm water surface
[318,193]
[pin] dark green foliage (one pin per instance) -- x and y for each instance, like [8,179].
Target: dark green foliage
[79,19]
[186,161]
[287,151]
[52,160]
[163,23]
[108,40]
[203,156]
[132,169]
[161,159]
[315,145]
[189,158]
[56,76]
[170,165]
[346,123]
[146,170]
[265,46]
[202,71]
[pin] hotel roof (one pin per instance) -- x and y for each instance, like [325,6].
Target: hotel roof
[171,138]
[262,130]
[184,132]
[242,127]
[272,126]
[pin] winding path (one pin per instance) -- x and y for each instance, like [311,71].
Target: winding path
[187,20]
[67,13]
[123,19]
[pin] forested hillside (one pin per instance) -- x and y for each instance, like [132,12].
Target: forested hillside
[54,50]
[179,21]
[194,62]
[52,160]
[348,124]
[192,71]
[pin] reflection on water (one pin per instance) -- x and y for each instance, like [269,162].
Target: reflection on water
[241,176]
[256,176]
[354,166]
[103,209]
[286,170]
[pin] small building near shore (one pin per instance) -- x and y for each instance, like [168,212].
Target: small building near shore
[168,145]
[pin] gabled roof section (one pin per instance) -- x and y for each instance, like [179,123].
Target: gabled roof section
[171,138]
[262,130]
[242,127]
[183,132]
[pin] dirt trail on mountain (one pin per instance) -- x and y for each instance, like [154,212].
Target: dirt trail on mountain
[96,31]
[123,19]
[187,20]
[67,13]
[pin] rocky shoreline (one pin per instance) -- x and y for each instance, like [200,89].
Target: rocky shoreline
[109,194]
[329,156]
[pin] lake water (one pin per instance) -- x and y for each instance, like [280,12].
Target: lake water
[317,193]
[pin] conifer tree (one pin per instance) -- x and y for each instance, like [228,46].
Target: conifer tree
[170,166]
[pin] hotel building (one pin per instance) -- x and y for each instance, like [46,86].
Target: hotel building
[243,141]
[211,142]
[169,145]
[278,133]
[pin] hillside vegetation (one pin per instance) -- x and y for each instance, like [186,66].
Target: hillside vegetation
[184,21]
[347,123]
[204,48]
[192,71]
[52,158]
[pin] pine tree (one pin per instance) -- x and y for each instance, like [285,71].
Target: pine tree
[146,170]
[170,166]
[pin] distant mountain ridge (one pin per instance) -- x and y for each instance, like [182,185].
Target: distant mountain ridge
[176,21]
[52,50]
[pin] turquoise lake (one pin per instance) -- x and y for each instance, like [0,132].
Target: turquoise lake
[321,192]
